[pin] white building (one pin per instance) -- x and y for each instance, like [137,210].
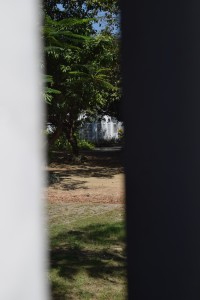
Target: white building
[106,128]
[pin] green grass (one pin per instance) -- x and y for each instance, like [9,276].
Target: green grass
[87,253]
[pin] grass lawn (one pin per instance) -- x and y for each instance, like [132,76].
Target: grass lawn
[87,252]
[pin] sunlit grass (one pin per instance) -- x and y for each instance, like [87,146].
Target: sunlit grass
[87,255]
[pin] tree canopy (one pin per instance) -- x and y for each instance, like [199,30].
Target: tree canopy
[82,70]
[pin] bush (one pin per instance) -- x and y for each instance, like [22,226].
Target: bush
[63,144]
[85,145]
[121,134]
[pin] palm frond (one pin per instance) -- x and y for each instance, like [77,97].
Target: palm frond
[48,78]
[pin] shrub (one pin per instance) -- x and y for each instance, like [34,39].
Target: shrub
[120,134]
[63,144]
[85,145]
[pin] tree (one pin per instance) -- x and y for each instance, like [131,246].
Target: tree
[80,69]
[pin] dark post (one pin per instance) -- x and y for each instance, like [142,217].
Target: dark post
[161,101]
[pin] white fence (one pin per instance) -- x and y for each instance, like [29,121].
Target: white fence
[105,129]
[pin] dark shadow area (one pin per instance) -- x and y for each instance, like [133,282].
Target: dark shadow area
[95,163]
[64,180]
[102,157]
[101,233]
[88,249]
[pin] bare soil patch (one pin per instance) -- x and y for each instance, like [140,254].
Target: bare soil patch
[98,178]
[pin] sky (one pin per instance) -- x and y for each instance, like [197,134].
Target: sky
[96,25]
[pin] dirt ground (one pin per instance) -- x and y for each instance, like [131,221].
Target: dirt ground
[98,178]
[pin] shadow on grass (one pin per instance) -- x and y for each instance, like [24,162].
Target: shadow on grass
[59,176]
[96,249]
[98,158]
[97,164]
[64,180]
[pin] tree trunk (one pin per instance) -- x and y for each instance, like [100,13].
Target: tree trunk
[73,141]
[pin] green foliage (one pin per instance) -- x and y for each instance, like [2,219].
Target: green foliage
[83,9]
[120,134]
[85,145]
[84,261]
[82,66]
[63,144]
